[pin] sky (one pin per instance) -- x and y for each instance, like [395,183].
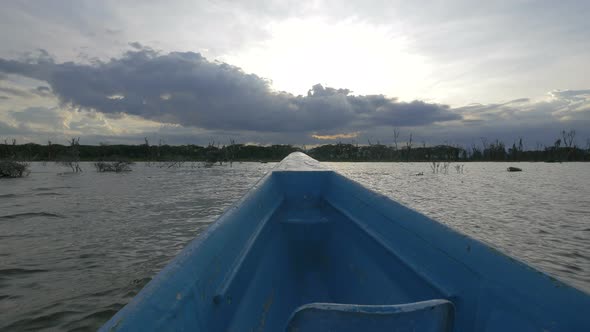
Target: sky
[294,72]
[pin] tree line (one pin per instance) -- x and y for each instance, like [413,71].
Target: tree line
[563,149]
[74,151]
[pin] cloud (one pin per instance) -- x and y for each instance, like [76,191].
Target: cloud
[14,91]
[140,92]
[187,89]
[568,94]
[111,31]
[561,105]
[49,118]
[336,136]
[536,121]
[8,129]
[42,90]
[136,45]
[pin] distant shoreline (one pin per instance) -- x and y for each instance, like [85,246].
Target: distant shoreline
[495,152]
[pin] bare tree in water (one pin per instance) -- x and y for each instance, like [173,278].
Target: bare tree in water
[71,158]
[568,137]
[395,137]
[409,147]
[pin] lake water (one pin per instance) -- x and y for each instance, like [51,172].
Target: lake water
[75,248]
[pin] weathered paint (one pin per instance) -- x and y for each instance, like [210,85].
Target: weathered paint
[307,245]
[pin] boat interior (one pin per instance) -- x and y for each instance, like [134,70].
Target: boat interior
[309,251]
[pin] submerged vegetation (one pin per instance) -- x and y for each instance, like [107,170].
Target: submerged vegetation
[13,169]
[113,166]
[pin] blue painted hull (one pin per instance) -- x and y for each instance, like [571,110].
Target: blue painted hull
[310,250]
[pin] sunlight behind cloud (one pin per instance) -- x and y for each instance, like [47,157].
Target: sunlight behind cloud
[366,58]
[336,136]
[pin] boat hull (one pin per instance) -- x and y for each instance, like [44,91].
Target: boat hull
[308,249]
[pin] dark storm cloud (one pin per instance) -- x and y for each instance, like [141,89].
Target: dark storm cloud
[187,89]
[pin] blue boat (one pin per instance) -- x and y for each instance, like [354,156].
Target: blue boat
[307,249]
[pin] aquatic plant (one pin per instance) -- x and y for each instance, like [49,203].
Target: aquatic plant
[114,166]
[443,167]
[435,166]
[13,169]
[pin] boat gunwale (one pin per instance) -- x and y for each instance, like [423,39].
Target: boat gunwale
[177,262]
[377,199]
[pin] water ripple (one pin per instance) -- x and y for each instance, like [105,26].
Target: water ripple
[17,271]
[31,214]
